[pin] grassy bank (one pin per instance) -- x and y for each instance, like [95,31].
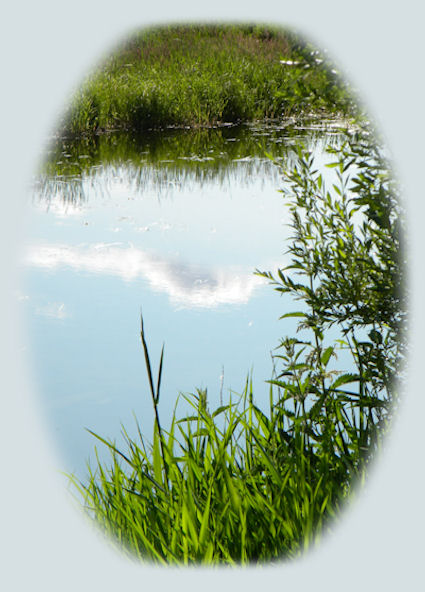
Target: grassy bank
[206,75]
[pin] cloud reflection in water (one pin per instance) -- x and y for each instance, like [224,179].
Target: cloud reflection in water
[186,284]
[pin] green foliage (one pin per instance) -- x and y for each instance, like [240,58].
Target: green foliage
[240,485]
[348,260]
[230,486]
[202,75]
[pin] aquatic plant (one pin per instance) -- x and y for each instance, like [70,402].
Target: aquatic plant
[349,261]
[241,485]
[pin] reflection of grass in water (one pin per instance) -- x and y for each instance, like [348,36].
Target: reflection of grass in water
[201,75]
[171,157]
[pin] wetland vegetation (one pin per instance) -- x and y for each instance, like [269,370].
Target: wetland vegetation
[241,482]
[238,484]
[207,75]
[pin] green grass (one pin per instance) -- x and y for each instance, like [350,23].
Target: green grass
[230,486]
[241,485]
[202,75]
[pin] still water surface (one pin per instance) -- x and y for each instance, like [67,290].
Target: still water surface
[174,225]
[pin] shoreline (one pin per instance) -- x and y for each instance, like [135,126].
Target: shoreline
[201,76]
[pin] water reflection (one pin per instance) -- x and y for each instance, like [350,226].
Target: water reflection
[174,158]
[186,284]
[176,223]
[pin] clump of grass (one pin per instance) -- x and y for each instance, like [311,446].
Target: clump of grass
[200,75]
[228,486]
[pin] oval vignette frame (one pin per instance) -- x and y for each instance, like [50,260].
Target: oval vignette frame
[376,520]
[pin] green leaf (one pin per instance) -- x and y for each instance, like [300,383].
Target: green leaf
[337,189]
[203,532]
[221,409]
[375,336]
[188,418]
[157,458]
[326,355]
[293,314]
[344,379]
[201,432]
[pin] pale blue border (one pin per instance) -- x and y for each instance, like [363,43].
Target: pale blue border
[45,48]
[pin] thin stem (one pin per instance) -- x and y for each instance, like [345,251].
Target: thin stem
[155,394]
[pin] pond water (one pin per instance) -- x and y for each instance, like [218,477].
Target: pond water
[172,224]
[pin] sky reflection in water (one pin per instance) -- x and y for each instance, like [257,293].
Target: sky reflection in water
[185,253]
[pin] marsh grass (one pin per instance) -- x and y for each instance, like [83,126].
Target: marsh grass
[240,485]
[203,75]
[229,486]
